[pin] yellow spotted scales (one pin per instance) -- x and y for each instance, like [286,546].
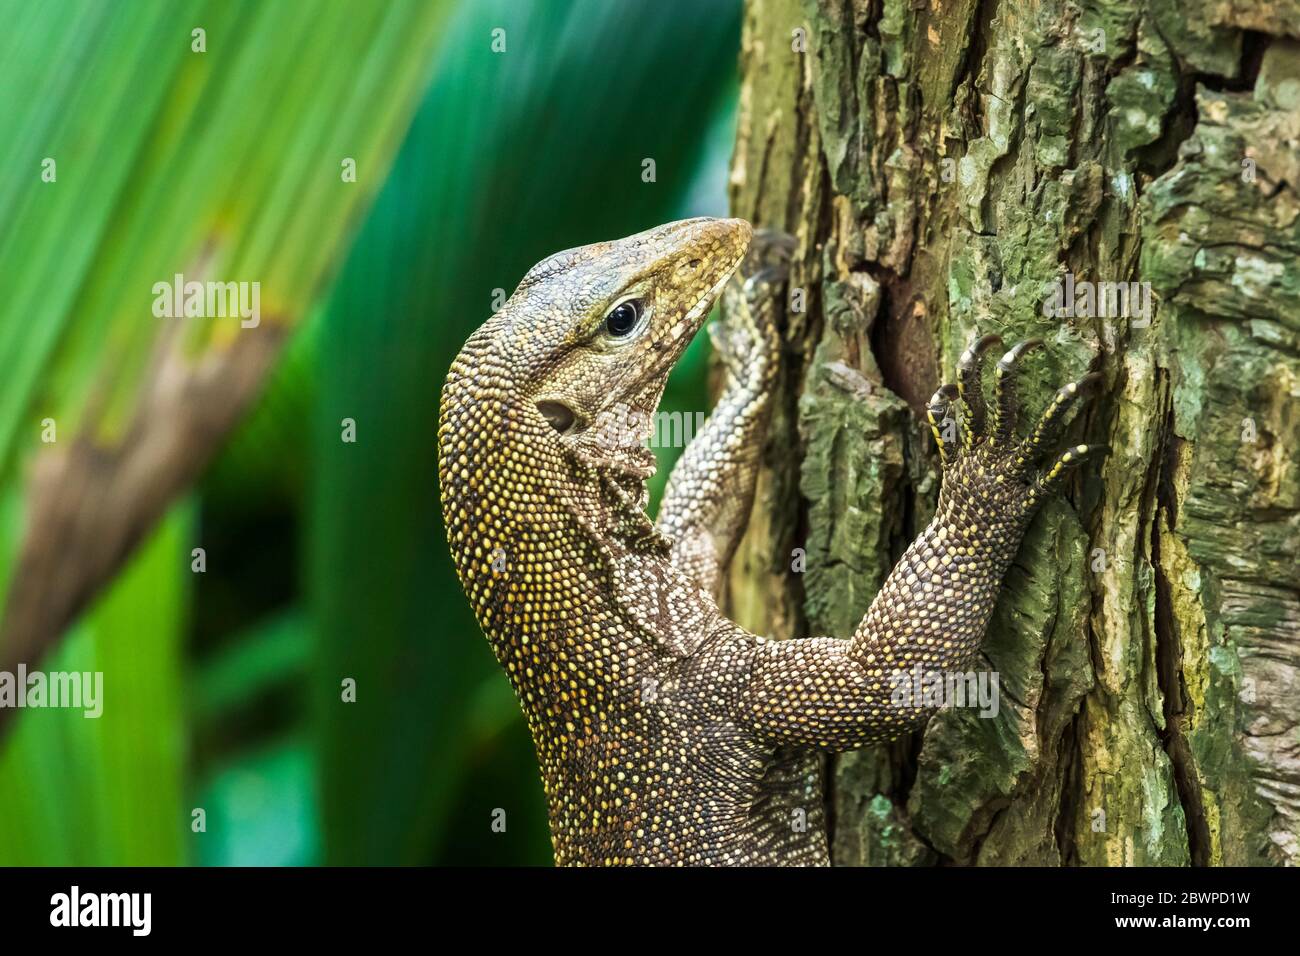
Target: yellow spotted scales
[665,733]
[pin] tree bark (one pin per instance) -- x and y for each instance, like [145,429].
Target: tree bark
[940,166]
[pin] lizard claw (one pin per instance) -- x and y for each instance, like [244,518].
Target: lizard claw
[747,336]
[988,455]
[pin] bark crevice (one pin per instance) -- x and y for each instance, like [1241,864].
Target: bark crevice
[1169,656]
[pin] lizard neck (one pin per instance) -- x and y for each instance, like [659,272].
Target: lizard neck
[530,534]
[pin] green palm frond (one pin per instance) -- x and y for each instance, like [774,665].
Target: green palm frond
[108,791]
[133,148]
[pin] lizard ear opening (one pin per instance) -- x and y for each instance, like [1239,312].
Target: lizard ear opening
[558,415]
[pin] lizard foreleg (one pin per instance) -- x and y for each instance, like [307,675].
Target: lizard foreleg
[707,502]
[931,613]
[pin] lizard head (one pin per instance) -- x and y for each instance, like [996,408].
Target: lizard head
[597,329]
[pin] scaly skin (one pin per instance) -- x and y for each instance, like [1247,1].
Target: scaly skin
[711,490]
[666,734]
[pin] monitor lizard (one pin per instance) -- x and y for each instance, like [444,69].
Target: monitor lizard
[666,733]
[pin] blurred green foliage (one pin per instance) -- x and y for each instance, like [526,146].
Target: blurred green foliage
[109,791]
[139,140]
[326,559]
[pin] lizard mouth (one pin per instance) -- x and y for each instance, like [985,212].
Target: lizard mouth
[680,335]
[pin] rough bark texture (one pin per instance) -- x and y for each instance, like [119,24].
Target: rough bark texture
[939,165]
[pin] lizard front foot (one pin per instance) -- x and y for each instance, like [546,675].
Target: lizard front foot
[990,475]
[746,337]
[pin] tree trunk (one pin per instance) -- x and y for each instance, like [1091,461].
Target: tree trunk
[940,166]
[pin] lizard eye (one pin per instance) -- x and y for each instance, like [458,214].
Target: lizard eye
[623,318]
